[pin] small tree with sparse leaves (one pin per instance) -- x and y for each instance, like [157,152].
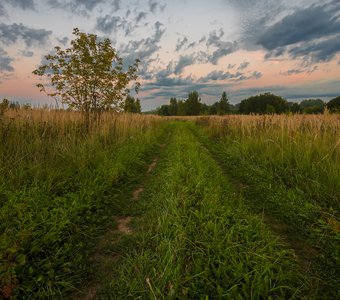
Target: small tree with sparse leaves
[89,76]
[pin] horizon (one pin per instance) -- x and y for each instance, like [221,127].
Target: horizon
[242,47]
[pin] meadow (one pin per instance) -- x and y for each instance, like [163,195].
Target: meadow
[231,207]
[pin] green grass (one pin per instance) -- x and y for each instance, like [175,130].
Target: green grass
[58,189]
[297,184]
[198,240]
[230,211]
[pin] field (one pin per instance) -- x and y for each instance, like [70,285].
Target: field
[233,207]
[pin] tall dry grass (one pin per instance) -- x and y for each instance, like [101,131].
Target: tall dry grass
[302,150]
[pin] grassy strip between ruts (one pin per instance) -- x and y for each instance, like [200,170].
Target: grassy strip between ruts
[312,229]
[197,239]
[50,219]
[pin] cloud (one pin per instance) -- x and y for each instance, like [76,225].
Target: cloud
[10,34]
[26,53]
[230,66]
[116,5]
[63,40]
[223,48]
[23,4]
[214,38]
[153,6]
[310,33]
[80,7]
[140,16]
[318,51]
[301,26]
[256,75]
[3,11]
[202,39]
[191,45]
[5,62]
[243,65]
[299,71]
[144,49]
[181,43]
[184,61]
[108,24]
[220,75]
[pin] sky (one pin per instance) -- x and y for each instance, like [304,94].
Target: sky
[243,47]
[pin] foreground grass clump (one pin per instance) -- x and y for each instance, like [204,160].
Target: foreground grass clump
[57,184]
[199,240]
[289,168]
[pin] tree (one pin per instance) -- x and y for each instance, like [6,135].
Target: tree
[138,106]
[163,110]
[264,103]
[132,105]
[334,104]
[223,105]
[173,107]
[88,77]
[193,104]
[312,106]
[181,108]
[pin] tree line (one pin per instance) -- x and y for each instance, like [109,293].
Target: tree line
[266,103]
[193,106]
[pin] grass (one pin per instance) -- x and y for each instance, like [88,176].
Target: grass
[238,207]
[58,185]
[289,168]
[198,240]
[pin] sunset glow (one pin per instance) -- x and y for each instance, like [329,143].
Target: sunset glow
[241,47]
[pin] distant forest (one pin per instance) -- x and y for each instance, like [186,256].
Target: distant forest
[192,106]
[267,103]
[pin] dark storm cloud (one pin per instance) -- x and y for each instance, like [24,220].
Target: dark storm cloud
[301,26]
[309,33]
[318,51]
[10,34]
[23,4]
[5,62]
[181,43]
[243,65]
